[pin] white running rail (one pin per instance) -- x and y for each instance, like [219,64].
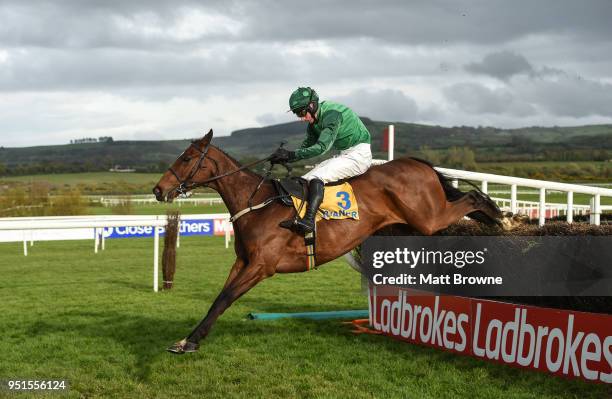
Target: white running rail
[595,208]
[98,223]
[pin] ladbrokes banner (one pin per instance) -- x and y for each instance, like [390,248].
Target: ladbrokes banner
[565,343]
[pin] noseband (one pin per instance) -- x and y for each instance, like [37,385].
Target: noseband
[186,185]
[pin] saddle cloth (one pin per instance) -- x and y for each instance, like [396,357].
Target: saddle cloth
[339,202]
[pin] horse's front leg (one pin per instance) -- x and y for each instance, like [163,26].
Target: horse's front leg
[239,264]
[235,287]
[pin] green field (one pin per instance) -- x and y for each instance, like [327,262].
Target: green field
[161,209]
[561,171]
[542,164]
[88,178]
[93,319]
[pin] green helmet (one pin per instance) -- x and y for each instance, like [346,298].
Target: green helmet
[301,98]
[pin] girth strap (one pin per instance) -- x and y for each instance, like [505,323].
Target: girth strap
[311,259]
[255,207]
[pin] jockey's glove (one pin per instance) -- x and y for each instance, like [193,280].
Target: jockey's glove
[282,156]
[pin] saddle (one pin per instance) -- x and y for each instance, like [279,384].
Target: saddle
[293,192]
[291,187]
[296,187]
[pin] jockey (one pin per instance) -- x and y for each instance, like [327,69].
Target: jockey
[330,125]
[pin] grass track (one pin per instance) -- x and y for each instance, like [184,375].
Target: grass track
[94,319]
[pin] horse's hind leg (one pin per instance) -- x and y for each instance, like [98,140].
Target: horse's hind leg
[443,217]
[465,205]
[453,212]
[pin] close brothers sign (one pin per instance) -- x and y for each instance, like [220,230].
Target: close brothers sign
[188,227]
[423,289]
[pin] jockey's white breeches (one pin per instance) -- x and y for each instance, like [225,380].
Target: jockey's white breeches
[350,162]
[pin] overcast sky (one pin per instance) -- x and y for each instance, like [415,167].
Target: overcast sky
[136,69]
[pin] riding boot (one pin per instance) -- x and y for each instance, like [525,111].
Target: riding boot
[315,197]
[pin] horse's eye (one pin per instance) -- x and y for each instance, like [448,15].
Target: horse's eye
[186,159]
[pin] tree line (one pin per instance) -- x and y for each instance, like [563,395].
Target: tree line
[85,140]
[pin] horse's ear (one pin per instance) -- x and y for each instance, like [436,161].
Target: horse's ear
[206,139]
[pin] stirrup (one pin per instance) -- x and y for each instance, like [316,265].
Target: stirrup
[304,228]
[289,224]
[296,225]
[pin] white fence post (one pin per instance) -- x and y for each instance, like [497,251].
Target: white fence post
[485,187]
[25,245]
[391,141]
[156,260]
[227,232]
[513,199]
[595,209]
[455,183]
[542,207]
[569,217]
[96,238]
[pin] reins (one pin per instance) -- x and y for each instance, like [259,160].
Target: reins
[186,185]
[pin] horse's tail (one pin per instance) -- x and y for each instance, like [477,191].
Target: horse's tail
[452,194]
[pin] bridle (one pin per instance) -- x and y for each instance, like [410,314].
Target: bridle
[186,185]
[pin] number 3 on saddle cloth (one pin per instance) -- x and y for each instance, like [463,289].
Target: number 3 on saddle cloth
[339,202]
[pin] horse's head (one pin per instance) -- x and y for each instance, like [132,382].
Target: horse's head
[191,167]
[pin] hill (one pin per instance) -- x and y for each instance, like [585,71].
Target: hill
[483,144]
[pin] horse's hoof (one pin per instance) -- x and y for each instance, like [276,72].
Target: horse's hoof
[183,346]
[506,224]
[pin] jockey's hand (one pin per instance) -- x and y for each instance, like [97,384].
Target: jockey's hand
[282,156]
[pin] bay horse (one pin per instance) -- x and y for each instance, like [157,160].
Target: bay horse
[405,191]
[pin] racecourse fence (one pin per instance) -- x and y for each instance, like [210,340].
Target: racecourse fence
[595,208]
[542,209]
[22,228]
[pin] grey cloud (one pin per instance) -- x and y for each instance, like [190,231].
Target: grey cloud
[553,59]
[74,44]
[274,118]
[62,69]
[568,95]
[477,99]
[432,22]
[548,91]
[106,68]
[82,24]
[94,24]
[501,65]
[390,105]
